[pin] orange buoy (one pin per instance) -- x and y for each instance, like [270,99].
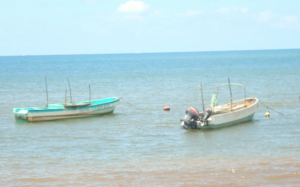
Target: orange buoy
[166,108]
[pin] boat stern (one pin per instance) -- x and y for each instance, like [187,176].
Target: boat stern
[20,114]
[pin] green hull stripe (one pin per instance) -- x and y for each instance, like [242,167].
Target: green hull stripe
[59,109]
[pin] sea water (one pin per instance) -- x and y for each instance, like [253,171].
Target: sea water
[140,144]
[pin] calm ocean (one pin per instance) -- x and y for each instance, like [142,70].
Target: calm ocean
[140,144]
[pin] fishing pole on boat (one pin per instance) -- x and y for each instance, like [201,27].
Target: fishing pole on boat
[268,113]
[46,90]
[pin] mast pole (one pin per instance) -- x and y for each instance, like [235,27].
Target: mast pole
[90,92]
[70,90]
[230,94]
[46,90]
[202,95]
[66,96]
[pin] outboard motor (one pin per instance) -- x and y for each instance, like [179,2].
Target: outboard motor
[189,121]
[207,112]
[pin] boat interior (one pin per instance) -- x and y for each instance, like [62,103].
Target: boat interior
[236,105]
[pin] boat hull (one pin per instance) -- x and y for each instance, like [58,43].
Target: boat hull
[232,117]
[61,111]
[214,126]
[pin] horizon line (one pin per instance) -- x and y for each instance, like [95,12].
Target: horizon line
[147,52]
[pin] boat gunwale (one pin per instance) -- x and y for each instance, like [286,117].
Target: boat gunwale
[239,109]
[63,108]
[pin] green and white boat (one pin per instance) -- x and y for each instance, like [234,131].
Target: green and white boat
[220,116]
[67,110]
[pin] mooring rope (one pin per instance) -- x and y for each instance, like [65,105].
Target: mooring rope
[270,108]
[282,104]
[132,104]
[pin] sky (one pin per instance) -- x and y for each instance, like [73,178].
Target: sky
[54,27]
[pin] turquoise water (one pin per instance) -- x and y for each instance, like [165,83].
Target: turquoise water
[140,144]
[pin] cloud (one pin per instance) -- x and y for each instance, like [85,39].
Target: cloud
[133,7]
[192,12]
[290,22]
[277,20]
[90,2]
[232,9]
[290,19]
[265,16]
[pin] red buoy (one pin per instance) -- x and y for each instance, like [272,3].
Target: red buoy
[166,108]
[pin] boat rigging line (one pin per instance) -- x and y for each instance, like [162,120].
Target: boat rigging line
[271,108]
[131,104]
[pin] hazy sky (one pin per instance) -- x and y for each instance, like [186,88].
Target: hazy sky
[45,27]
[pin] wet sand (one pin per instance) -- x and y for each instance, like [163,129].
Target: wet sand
[234,172]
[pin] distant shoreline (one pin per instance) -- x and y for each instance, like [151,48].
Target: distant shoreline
[138,53]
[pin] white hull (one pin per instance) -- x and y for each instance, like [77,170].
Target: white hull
[240,113]
[66,115]
[223,115]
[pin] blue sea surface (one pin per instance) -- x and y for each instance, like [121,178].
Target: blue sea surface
[140,144]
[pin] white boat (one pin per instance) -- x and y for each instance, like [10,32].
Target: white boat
[220,116]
